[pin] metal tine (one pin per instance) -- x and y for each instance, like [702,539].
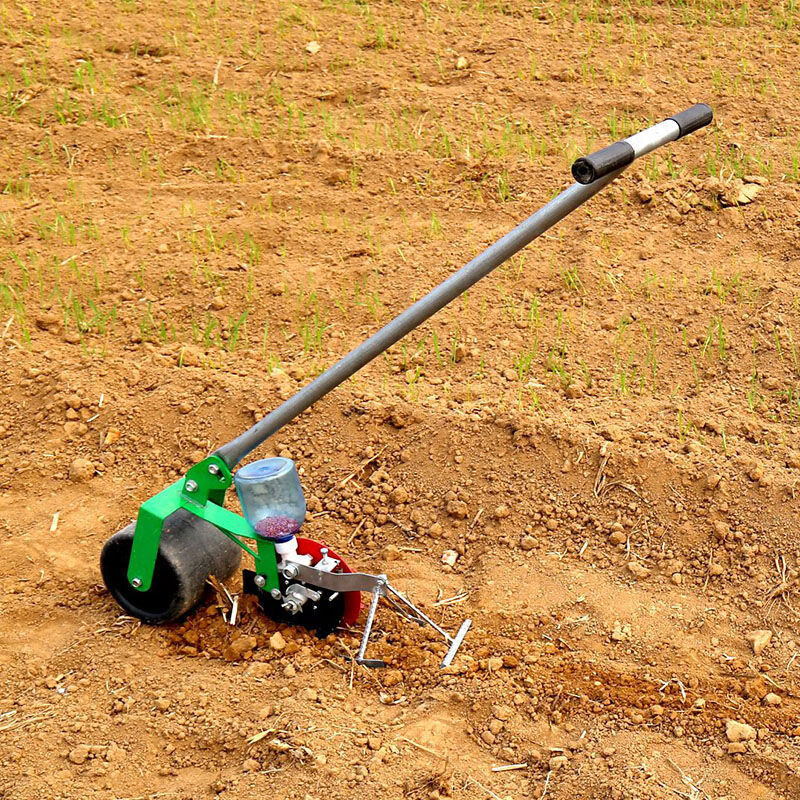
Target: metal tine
[457,640]
[373,607]
[417,611]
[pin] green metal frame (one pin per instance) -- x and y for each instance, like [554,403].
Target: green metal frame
[200,492]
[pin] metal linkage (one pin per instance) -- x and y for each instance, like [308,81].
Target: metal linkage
[378,586]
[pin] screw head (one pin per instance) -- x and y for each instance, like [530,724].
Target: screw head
[213,469]
[323,551]
[259,581]
[276,594]
[136,583]
[191,486]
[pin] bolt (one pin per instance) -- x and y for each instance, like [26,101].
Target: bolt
[276,594]
[292,606]
[136,583]
[213,469]
[260,581]
[290,571]
[323,552]
[191,486]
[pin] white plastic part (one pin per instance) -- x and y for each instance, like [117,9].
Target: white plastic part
[287,550]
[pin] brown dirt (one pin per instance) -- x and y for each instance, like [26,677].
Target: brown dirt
[206,203]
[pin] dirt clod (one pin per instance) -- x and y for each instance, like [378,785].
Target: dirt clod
[81,470]
[739,731]
[759,640]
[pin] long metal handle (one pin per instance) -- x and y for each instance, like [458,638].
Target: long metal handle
[480,266]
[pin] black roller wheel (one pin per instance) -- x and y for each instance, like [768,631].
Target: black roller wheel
[190,550]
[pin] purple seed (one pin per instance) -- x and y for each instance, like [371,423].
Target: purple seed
[277,527]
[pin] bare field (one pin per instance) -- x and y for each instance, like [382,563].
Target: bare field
[204,204]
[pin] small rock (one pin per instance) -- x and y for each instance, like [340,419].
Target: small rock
[190,356]
[620,632]
[79,754]
[747,193]
[461,62]
[391,553]
[457,509]
[734,748]
[115,753]
[611,432]
[495,726]
[400,495]
[449,558]
[759,640]
[244,644]
[739,731]
[276,641]
[618,537]
[313,47]
[528,543]
[557,762]
[502,511]
[392,677]
[81,470]
[251,765]
[48,321]
[573,391]
[773,699]
[637,570]
[162,703]
[336,176]
[494,664]
[289,671]
[756,688]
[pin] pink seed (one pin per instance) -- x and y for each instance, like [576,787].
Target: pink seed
[276,527]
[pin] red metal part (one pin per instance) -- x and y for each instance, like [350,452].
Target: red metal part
[352,600]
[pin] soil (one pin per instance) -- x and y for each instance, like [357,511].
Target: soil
[593,453]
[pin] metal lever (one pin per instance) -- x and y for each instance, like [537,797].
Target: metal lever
[378,586]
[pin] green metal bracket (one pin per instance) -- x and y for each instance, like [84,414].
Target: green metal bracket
[200,492]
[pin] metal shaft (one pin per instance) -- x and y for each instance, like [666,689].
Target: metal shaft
[480,266]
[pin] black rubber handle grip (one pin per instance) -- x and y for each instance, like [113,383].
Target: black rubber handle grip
[618,155]
[694,118]
[589,168]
